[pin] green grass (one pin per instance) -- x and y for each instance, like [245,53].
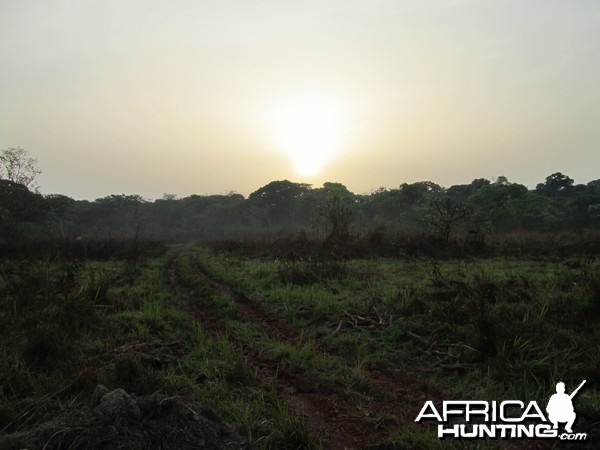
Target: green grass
[523,323]
[63,320]
[520,323]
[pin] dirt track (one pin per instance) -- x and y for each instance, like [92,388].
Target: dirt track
[339,419]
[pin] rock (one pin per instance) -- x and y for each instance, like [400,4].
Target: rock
[118,402]
[99,392]
[118,419]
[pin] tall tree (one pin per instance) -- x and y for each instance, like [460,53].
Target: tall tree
[280,200]
[18,166]
[555,184]
[446,213]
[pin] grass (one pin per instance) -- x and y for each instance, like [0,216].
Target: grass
[63,320]
[523,323]
[518,325]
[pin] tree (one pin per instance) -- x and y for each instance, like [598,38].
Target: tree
[338,214]
[19,209]
[502,181]
[120,214]
[420,193]
[499,205]
[446,213]
[59,208]
[555,184]
[280,201]
[18,166]
[462,192]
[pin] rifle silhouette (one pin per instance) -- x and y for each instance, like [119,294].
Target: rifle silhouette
[572,394]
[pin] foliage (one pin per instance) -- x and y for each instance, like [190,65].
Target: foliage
[479,328]
[329,212]
[18,166]
[446,214]
[487,328]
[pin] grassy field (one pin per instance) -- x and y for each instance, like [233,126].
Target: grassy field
[299,353]
[520,319]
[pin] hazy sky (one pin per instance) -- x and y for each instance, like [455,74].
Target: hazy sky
[183,97]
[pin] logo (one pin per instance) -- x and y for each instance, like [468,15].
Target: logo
[509,419]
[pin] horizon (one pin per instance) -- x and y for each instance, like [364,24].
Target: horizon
[205,98]
[226,192]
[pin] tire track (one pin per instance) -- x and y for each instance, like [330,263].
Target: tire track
[339,419]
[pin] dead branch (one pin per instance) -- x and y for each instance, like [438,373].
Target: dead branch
[361,322]
[444,359]
[339,327]
[418,338]
[155,352]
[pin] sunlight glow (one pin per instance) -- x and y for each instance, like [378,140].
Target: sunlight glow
[309,129]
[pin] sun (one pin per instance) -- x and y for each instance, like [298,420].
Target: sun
[309,129]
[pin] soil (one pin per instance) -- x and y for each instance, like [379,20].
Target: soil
[338,416]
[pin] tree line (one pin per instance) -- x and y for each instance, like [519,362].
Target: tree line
[471,210]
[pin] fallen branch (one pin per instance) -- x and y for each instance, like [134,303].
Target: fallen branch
[339,327]
[362,322]
[443,358]
[155,352]
[418,338]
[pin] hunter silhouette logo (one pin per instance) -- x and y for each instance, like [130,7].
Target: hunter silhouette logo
[508,419]
[560,407]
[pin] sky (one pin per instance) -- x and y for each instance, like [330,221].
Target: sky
[202,97]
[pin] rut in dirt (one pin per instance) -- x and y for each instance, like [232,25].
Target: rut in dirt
[342,418]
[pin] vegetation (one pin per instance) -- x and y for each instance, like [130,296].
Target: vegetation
[70,324]
[471,211]
[261,339]
[17,166]
[330,327]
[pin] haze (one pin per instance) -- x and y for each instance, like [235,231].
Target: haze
[150,97]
